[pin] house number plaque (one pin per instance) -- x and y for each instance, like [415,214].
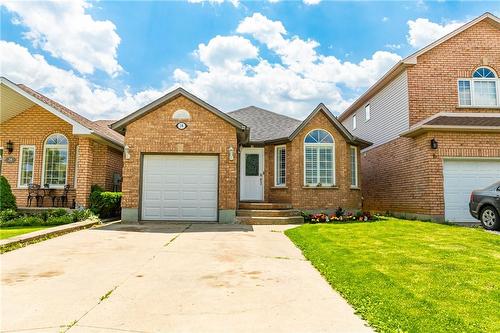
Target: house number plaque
[181,126]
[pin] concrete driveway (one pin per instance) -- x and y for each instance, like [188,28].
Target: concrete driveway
[169,278]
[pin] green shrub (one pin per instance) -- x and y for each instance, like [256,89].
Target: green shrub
[24,221]
[81,215]
[8,214]
[57,220]
[7,199]
[105,204]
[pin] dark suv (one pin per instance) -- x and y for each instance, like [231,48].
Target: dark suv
[484,205]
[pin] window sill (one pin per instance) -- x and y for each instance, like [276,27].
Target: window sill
[478,107]
[356,188]
[279,187]
[320,187]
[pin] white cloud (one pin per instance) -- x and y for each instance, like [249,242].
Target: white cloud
[235,3]
[311,2]
[226,52]
[66,31]
[67,88]
[393,46]
[423,32]
[294,85]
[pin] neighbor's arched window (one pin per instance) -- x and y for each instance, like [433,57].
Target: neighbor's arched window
[319,158]
[55,160]
[481,90]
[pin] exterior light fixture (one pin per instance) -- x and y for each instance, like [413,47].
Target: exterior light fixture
[434,144]
[10,146]
[126,152]
[231,153]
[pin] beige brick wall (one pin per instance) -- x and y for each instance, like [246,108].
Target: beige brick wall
[156,133]
[432,82]
[32,127]
[311,198]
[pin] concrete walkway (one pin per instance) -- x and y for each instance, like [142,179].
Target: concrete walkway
[169,278]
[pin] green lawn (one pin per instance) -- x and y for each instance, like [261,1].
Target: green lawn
[7,232]
[408,276]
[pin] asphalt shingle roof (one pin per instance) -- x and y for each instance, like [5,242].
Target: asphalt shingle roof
[99,127]
[465,121]
[265,125]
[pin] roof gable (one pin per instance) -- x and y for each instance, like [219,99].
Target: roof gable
[121,124]
[411,60]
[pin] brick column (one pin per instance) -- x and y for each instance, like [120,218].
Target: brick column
[84,179]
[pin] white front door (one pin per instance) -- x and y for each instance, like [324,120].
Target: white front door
[252,174]
[461,177]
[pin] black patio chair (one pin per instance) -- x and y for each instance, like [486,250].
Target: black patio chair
[63,199]
[34,192]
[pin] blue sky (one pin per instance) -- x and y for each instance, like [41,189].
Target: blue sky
[105,59]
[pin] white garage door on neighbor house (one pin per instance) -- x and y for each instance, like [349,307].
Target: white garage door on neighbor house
[461,177]
[179,188]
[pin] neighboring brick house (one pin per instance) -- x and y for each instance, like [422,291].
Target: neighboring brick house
[186,160]
[43,142]
[434,119]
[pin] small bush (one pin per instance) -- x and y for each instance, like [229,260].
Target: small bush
[7,199]
[8,214]
[25,221]
[105,204]
[58,220]
[81,215]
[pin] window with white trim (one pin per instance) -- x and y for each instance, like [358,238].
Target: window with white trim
[26,165]
[280,166]
[354,166]
[55,161]
[481,90]
[319,159]
[367,112]
[354,122]
[1,159]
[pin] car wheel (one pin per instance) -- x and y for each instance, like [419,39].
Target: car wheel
[489,218]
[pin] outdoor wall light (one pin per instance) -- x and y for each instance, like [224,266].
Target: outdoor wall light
[10,146]
[126,152]
[434,144]
[231,153]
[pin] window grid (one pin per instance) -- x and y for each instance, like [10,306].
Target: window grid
[55,161]
[354,167]
[26,165]
[319,167]
[482,92]
[280,163]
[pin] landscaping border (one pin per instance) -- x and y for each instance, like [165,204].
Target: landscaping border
[16,242]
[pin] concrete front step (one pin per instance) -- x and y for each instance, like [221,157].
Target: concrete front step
[268,212]
[277,220]
[264,205]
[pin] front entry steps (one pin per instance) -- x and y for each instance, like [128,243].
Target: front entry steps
[268,213]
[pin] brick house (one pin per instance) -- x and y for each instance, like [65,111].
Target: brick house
[186,160]
[43,142]
[434,120]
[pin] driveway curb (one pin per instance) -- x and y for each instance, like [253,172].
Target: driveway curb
[32,237]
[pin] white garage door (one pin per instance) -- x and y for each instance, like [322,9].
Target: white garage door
[179,188]
[461,177]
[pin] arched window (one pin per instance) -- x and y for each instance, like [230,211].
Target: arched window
[319,159]
[481,90]
[181,114]
[55,160]
[484,72]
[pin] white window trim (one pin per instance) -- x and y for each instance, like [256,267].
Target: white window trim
[471,82]
[356,173]
[354,122]
[20,164]
[75,175]
[1,162]
[276,166]
[368,115]
[45,156]
[332,145]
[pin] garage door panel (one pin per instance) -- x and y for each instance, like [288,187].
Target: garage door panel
[187,185]
[461,177]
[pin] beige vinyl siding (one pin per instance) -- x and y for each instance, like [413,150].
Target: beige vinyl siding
[389,114]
